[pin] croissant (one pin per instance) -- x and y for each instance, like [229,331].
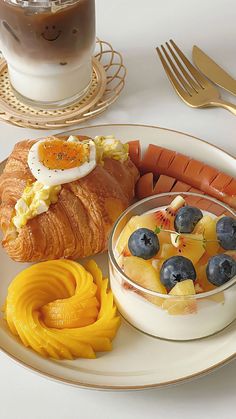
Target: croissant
[78,224]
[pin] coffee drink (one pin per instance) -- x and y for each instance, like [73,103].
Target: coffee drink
[48,46]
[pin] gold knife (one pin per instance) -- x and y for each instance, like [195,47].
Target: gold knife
[213,71]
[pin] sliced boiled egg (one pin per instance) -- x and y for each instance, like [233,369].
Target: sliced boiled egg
[55,161]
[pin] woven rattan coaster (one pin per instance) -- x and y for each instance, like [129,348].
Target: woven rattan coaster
[107,82]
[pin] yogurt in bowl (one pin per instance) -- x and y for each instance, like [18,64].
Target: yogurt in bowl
[169,272]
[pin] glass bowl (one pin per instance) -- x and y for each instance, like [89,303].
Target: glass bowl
[163,315]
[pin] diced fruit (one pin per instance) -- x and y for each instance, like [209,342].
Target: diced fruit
[157,264]
[231,253]
[190,246]
[165,218]
[220,269]
[204,259]
[119,260]
[124,237]
[184,262]
[217,298]
[198,288]
[202,278]
[143,221]
[181,305]
[143,243]
[203,285]
[185,287]
[186,219]
[226,232]
[164,238]
[167,250]
[176,269]
[207,227]
[126,252]
[143,273]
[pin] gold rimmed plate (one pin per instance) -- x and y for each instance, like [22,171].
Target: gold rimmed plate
[137,361]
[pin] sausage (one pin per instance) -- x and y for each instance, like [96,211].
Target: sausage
[146,186]
[187,172]
[180,187]
[149,163]
[164,184]
[135,152]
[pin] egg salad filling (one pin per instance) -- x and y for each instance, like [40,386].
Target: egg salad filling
[110,147]
[35,200]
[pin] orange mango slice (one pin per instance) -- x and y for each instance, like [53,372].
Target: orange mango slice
[62,310]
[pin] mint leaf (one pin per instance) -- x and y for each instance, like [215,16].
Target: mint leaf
[157,230]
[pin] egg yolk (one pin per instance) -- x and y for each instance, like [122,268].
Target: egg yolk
[59,154]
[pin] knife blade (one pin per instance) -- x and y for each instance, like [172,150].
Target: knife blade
[213,71]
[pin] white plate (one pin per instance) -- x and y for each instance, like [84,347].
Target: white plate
[137,361]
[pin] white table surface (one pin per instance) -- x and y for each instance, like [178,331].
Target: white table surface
[135,27]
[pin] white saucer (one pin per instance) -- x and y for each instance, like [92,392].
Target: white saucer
[137,361]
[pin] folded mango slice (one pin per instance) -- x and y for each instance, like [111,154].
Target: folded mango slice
[62,310]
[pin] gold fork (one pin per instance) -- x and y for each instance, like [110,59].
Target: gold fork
[188,82]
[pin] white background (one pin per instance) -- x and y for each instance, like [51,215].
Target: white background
[135,27]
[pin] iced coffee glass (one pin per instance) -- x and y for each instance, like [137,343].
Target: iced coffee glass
[48,46]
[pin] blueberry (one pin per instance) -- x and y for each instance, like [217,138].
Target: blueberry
[176,269]
[186,219]
[143,243]
[226,232]
[220,269]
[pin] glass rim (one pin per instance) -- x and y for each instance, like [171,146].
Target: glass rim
[115,265]
[44,4]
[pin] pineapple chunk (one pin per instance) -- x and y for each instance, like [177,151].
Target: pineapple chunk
[167,251]
[181,305]
[185,287]
[207,227]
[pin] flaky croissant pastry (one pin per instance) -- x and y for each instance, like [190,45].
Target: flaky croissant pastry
[78,224]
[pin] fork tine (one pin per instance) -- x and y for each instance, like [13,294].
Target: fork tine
[187,87]
[181,92]
[191,81]
[195,73]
